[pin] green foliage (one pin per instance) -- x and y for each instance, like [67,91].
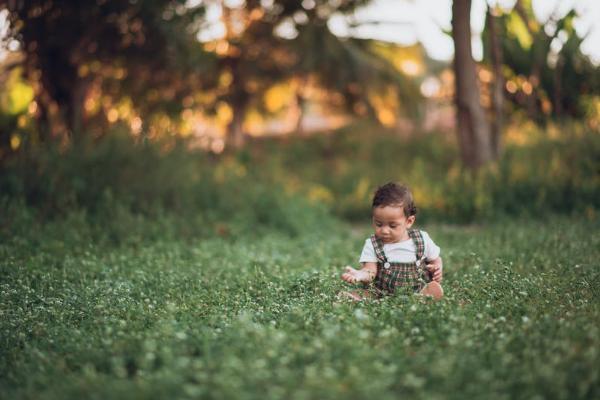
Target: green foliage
[115,186]
[130,47]
[15,97]
[564,78]
[354,68]
[544,175]
[110,190]
[260,318]
[16,94]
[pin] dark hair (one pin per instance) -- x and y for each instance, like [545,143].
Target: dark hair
[395,194]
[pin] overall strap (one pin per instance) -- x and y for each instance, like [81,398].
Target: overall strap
[417,238]
[378,247]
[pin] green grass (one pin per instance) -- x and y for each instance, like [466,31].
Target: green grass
[256,317]
[285,179]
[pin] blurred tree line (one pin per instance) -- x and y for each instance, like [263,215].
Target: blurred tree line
[147,52]
[81,65]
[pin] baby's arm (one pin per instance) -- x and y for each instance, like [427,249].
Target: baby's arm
[435,268]
[365,274]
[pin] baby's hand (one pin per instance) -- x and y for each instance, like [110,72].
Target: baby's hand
[352,275]
[435,271]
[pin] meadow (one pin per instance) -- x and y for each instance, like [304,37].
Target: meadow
[122,279]
[259,318]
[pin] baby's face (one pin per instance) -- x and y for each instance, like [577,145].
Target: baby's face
[391,224]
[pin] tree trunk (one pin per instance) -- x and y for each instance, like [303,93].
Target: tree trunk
[42,117]
[557,93]
[235,130]
[301,109]
[472,126]
[498,84]
[75,109]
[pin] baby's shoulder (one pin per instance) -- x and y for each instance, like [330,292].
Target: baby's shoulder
[423,233]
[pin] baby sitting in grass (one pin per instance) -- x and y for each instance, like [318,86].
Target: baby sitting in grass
[396,257]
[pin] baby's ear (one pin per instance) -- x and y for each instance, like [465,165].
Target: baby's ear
[410,220]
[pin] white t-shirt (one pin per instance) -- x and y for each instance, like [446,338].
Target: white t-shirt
[402,252]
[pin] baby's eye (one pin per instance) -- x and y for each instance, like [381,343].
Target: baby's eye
[393,226]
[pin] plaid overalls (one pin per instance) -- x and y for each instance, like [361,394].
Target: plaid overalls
[409,277]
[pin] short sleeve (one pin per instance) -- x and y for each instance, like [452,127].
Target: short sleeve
[432,250]
[368,252]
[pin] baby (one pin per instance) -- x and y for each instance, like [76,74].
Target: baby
[396,257]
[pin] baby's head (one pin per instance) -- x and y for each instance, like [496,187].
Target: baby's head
[394,212]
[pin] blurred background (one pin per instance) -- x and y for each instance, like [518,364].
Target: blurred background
[224,117]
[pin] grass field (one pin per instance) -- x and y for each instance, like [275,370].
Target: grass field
[257,318]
